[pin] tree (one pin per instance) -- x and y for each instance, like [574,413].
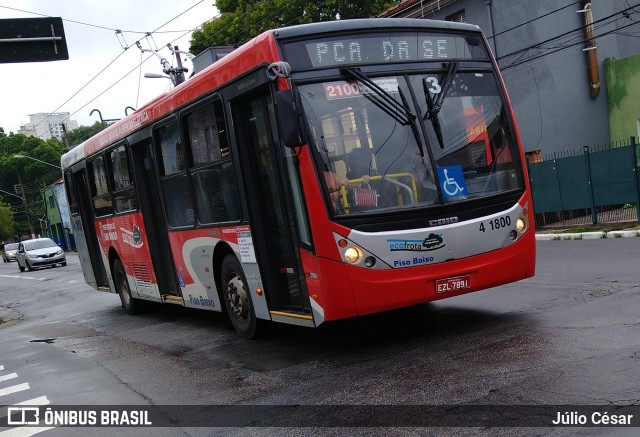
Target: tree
[241,20]
[83,133]
[2,134]
[20,175]
[6,221]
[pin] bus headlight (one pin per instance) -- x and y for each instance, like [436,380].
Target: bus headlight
[352,254]
[521,225]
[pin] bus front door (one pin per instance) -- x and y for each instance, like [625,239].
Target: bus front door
[272,232]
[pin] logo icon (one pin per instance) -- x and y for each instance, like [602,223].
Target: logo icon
[23,415]
[133,237]
[431,242]
[452,182]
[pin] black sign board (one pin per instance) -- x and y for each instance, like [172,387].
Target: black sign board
[32,40]
[383,48]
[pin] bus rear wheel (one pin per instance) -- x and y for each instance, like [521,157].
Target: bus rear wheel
[237,301]
[122,287]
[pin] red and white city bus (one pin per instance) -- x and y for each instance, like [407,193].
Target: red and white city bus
[316,173]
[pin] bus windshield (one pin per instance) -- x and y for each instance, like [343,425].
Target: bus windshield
[372,157]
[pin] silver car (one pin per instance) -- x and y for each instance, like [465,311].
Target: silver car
[39,252]
[10,250]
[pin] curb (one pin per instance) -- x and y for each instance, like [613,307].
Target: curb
[588,235]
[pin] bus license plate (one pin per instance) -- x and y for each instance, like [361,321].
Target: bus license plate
[453,284]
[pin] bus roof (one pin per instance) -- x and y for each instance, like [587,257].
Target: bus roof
[371,24]
[241,60]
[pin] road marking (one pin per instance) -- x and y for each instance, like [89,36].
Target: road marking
[33,278]
[14,389]
[35,402]
[8,377]
[24,431]
[20,431]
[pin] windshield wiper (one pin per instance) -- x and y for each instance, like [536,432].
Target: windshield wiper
[434,105]
[400,112]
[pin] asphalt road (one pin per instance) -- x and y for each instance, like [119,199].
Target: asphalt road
[569,336]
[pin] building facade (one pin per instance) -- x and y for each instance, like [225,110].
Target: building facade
[551,54]
[45,125]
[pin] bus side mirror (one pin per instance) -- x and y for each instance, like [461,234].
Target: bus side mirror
[289,118]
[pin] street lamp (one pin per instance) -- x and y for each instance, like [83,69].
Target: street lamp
[156,76]
[38,160]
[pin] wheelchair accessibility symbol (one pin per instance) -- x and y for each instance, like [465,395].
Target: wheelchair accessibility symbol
[452,182]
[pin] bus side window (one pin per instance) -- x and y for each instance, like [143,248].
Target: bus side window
[99,187]
[173,176]
[212,173]
[123,191]
[71,194]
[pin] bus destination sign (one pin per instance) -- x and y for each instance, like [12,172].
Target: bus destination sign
[384,48]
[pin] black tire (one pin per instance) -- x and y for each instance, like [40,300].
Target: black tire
[29,267]
[235,294]
[122,287]
[63,264]
[20,267]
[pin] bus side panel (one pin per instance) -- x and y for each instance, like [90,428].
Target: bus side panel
[125,235]
[194,252]
[378,290]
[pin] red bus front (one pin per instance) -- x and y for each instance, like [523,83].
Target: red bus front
[423,190]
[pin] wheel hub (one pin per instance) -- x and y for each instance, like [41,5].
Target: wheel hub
[237,298]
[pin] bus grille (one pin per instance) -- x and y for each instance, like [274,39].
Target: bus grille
[142,276]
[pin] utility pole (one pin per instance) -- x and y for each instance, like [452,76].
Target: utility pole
[26,208]
[64,133]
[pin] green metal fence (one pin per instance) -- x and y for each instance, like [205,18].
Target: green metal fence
[587,186]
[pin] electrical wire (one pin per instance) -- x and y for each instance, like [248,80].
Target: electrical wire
[579,29]
[533,19]
[137,66]
[89,24]
[110,63]
[616,31]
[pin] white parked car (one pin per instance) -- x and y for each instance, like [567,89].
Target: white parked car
[10,250]
[39,252]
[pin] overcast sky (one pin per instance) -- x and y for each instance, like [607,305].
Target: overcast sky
[30,88]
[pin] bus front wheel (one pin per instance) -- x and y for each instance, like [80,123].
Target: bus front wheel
[237,301]
[122,287]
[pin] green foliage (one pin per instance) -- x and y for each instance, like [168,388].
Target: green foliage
[23,175]
[6,221]
[241,20]
[83,133]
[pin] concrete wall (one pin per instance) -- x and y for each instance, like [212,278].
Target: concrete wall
[550,94]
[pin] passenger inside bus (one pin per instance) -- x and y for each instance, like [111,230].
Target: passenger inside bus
[358,195]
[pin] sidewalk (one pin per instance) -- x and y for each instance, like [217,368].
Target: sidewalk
[548,236]
[630,231]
